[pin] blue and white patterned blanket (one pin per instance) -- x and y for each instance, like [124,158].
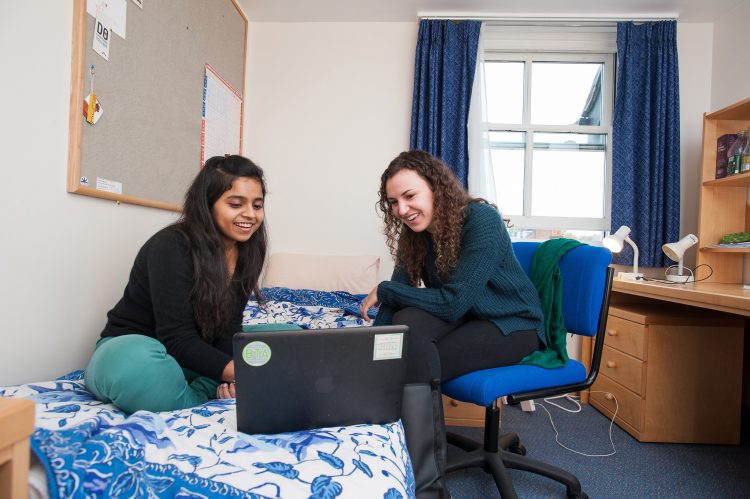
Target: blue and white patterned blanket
[92,449]
[307,308]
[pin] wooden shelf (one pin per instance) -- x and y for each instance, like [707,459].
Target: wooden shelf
[739,180]
[723,205]
[736,111]
[725,250]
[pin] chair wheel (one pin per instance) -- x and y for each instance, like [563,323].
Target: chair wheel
[517,449]
[578,495]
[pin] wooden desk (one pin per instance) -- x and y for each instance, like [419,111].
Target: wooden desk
[730,298]
[16,425]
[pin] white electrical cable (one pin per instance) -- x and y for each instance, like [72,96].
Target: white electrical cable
[578,409]
[687,278]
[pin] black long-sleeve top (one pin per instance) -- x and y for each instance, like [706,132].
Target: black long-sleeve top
[157,303]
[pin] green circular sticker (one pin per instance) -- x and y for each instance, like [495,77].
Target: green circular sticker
[256,353]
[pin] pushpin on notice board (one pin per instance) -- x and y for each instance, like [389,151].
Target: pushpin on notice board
[92,109]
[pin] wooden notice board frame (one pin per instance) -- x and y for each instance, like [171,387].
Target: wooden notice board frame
[151,90]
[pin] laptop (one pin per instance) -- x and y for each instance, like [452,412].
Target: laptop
[315,378]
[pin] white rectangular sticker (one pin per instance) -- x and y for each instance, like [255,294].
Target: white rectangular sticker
[101,39]
[103,184]
[388,346]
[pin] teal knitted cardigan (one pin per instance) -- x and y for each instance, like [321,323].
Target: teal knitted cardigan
[488,282]
[547,278]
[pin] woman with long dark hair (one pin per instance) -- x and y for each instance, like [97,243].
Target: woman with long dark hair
[167,343]
[458,286]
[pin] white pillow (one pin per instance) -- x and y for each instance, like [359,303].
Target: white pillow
[355,274]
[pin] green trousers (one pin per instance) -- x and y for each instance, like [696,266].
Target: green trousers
[135,373]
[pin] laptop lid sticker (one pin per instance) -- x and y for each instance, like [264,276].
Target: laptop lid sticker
[256,353]
[387,346]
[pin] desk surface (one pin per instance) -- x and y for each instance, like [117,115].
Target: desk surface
[730,298]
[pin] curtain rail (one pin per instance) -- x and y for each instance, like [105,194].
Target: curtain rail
[508,18]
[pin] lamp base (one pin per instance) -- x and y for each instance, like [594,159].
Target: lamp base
[629,276]
[682,279]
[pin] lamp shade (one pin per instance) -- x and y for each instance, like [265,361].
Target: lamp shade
[614,242]
[675,251]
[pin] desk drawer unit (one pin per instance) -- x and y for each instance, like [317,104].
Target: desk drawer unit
[676,373]
[459,413]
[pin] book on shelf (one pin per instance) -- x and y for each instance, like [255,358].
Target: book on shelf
[723,144]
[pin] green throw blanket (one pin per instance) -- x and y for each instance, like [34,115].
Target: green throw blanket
[546,276]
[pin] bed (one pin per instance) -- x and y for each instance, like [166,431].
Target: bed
[82,447]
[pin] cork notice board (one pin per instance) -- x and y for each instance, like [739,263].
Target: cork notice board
[147,142]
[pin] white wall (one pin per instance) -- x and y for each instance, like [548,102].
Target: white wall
[65,258]
[329,106]
[694,54]
[310,117]
[731,72]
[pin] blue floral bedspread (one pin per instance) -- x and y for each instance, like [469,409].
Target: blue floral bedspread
[92,449]
[306,308]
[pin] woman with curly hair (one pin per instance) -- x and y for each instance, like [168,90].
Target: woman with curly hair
[458,286]
[167,343]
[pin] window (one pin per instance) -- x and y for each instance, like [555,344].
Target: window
[549,116]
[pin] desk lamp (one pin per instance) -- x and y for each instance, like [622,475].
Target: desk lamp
[614,242]
[675,252]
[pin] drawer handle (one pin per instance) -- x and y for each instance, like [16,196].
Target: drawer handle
[612,332]
[611,364]
[454,403]
[608,396]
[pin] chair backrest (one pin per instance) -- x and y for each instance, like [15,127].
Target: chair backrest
[585,283]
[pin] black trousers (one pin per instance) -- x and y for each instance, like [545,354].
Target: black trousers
[443,350]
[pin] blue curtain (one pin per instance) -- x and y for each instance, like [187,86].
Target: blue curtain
[443,76]
[646,139]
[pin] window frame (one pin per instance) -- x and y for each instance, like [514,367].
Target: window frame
[526,220]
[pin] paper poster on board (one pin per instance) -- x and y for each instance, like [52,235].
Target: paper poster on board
[221,127]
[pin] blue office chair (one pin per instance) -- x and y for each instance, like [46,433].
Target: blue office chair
[587,281]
